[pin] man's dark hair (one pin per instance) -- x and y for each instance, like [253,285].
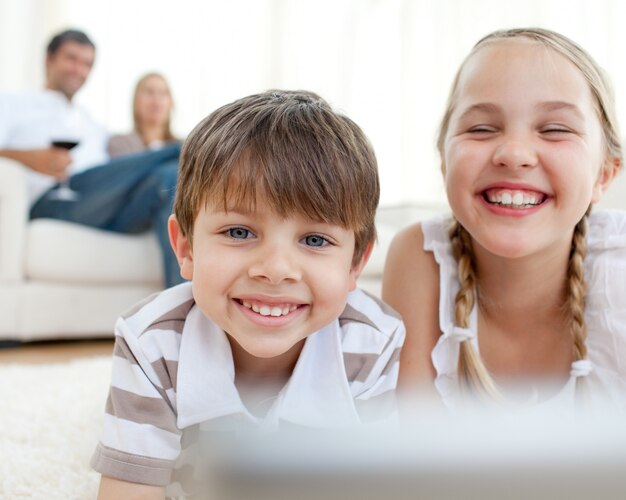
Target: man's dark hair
[69,36]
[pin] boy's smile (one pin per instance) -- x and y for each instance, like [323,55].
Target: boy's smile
[268,281]
[270,307]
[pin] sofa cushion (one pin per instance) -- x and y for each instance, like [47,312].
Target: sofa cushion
[58,251]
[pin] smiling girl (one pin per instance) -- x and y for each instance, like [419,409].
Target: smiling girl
[519,298]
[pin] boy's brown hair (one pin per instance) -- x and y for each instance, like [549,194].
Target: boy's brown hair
[291,148]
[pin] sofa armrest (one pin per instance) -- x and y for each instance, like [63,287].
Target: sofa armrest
[13,220]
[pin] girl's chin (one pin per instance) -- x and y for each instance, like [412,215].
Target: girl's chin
[508,247]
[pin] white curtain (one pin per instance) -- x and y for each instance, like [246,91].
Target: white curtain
[387,63]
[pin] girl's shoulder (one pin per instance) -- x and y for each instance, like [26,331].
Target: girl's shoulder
[416,255]
[411,287]
[417,241]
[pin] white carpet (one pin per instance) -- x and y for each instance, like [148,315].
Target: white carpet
[50,422]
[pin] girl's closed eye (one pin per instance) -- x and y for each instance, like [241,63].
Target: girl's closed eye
[480,130]
[556,130]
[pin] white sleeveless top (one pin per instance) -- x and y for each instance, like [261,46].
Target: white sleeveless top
[605,314]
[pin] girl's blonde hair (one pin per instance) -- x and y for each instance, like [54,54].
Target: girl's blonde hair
[473,375]
[167,135]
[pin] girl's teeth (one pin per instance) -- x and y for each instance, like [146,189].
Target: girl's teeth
[265,311]
[515,199]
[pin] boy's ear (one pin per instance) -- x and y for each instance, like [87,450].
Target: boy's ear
[356,270]
[605,177]
[181,246]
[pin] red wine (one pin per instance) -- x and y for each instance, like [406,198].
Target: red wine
[65,144]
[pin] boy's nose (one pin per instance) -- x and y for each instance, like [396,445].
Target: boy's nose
[275,265]
[515,152]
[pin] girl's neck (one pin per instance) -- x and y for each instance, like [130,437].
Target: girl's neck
[524,289]
[523,323]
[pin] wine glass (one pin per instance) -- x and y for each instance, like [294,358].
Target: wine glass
[66,137]
[63,191]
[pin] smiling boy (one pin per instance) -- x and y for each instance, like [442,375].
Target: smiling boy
[274,221]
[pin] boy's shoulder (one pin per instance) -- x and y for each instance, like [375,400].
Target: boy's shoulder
[372,337]
[165,310]
[365,308]
[368,324]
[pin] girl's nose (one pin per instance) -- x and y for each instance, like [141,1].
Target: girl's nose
[515,152]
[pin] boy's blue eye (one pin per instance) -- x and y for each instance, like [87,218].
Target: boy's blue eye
[238,233]
[315,240]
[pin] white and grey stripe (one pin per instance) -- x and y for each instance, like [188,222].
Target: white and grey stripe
[142,441]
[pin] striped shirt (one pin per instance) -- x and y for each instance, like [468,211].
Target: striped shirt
[173,373]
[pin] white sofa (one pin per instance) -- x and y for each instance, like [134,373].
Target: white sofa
[62,280]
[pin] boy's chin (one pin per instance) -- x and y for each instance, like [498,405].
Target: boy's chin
[273,351]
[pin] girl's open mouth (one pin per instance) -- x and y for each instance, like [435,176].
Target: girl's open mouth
[514,198]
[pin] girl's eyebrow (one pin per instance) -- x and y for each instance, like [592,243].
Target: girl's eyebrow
[558,105]
[487,107]
[481,107]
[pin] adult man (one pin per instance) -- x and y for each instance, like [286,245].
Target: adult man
[127,195]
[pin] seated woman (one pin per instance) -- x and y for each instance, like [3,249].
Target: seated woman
[152,110]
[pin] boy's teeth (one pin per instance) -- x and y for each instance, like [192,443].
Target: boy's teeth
[266,310]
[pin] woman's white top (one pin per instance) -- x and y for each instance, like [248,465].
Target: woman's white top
[605,315]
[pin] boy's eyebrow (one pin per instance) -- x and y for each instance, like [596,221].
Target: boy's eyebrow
[227,208]
[235,210]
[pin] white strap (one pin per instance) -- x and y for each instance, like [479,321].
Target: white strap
[461,334]
[581,368]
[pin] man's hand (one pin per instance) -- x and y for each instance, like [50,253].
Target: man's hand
[48,161]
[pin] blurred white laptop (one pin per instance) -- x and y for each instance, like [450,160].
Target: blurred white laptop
[477,456]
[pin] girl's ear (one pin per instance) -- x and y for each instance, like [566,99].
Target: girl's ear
[356,270]
[605,177]
[181,246]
